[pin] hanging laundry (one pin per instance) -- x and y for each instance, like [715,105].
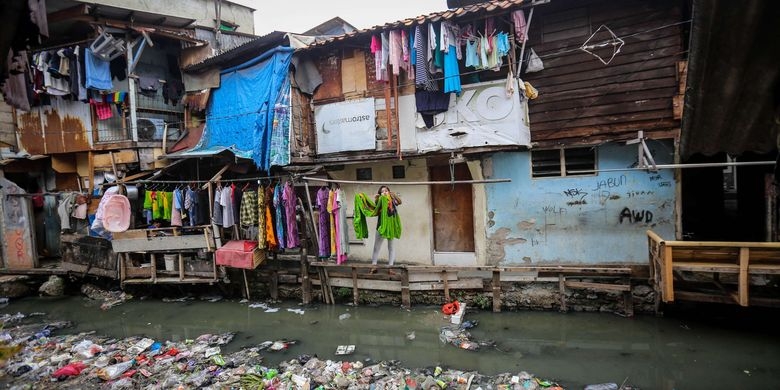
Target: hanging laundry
[98,74]
[323,225]
[290,203]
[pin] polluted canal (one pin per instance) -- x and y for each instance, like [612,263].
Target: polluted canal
[701,351]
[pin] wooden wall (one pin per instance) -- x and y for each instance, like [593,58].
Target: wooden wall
[581,99]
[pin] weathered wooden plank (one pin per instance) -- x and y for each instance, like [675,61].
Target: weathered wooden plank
[168,243]
[431,276]
[619,87]
[621,98]
[396,285]
[560,125]
[175,280]
[597,286]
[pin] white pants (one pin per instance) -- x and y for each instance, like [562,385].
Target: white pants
[378,240]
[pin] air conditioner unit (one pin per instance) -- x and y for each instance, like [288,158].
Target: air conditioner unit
[152,129]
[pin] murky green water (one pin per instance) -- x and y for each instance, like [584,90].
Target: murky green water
[738,351]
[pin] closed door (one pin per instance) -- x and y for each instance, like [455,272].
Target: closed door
[453,210]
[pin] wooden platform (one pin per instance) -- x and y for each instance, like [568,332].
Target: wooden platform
[711,271]
[407,278]
[153,245]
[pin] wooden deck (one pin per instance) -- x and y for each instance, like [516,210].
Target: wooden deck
[407,278]
[712,271]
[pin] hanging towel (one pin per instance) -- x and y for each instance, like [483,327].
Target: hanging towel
[98,72]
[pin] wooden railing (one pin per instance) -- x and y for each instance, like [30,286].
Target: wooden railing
[668,259]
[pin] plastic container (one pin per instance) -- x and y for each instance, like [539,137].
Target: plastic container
[171,262]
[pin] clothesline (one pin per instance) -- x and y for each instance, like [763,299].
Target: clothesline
[395,183]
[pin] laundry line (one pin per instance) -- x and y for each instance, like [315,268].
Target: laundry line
[395,183]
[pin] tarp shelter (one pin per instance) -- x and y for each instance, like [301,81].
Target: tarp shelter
[240,115]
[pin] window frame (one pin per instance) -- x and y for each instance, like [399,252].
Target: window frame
[565,168]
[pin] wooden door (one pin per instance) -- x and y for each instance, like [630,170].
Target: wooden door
[453,210]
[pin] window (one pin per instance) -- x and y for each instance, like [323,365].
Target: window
[363,174]
[399,171]
[575,162]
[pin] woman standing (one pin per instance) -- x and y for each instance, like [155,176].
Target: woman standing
[388,224]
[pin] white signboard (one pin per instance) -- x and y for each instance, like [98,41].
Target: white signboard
[346,126]
[483,115]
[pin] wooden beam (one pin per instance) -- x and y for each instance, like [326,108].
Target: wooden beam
[496,291]
[667,292]
[562,291]
[355,296]
[597,286]
[446,285]
[406,296]
[744,277]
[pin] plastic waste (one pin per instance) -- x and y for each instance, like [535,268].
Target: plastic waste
[71,369]
[114,371]
[86,349]
[602,386]
[469,324]
[140,346]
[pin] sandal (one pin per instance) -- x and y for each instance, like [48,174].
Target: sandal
[372,271]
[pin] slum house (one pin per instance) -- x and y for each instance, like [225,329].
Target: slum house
[561,132]
[452,153]
[71,131]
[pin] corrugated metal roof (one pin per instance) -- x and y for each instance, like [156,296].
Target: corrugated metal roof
[242,52]
[486,8]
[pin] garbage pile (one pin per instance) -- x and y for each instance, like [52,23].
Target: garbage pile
[32,357]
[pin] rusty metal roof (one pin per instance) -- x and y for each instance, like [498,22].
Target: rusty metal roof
[483,9]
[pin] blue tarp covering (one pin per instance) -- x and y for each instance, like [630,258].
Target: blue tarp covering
[241,112]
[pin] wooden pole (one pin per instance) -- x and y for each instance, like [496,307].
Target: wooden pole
[496,291]
[406,296]
[397,121]
[388,110]
[355,290]
[246,285]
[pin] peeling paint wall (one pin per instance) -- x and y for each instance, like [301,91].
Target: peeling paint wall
[590,219]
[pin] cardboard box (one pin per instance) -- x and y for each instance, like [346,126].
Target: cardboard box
[240,254]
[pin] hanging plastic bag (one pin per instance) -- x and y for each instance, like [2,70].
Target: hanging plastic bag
[535,63]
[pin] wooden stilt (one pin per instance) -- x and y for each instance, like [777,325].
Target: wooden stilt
[246,285]
[562,291]
[446,286]
[355,293]
[496,291]
[321,274]
[274,285]
[406,296]
[328,287]
[744,279]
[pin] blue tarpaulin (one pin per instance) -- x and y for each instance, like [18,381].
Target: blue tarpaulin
[241,112]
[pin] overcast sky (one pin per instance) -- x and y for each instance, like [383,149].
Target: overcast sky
[301,15]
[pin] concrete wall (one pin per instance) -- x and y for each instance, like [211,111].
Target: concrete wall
[594,219]
[201,10]
[415,245]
